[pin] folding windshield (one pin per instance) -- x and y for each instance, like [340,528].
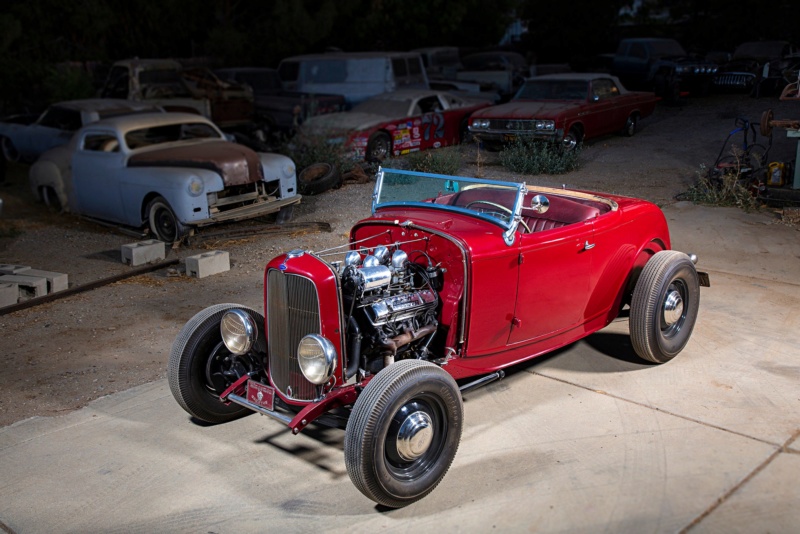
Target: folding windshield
[497,202]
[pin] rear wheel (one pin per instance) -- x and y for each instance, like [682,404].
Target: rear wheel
[664,306]
[403,432]
[630,125]
[164,224]
[200,367]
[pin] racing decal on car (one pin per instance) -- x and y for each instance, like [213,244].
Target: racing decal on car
[435,122]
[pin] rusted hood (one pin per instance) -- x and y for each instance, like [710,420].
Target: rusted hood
[237,164]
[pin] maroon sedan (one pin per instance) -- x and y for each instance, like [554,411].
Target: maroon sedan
[451,281]
[569,108]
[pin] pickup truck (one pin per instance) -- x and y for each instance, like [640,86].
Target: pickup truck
[164,82]
[278,110]
[660,65]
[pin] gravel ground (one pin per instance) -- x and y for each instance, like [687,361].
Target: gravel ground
[57,357]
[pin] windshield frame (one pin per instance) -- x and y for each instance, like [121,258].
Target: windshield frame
[449,185]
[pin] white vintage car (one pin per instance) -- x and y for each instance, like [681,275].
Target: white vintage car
[171,171]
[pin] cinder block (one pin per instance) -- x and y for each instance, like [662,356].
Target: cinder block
[143,252]
[6,268]
[29,286]
[55,281]
[208,263]
[9,294]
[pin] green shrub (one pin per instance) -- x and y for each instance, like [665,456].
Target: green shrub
[721,189]
[440,161]
[306,149]
[528,156]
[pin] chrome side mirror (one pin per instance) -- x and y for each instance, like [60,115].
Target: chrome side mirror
[540,204]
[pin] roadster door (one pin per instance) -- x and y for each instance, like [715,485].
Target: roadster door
[553,286]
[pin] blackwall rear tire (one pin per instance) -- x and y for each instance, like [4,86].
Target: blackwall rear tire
[664,306]
[197,361]
[403,432]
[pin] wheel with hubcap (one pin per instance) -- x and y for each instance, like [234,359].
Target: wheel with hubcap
[630,125]
[573,138]
[164,224]
[403,432]
[379,147]
[664,306]
[201,367]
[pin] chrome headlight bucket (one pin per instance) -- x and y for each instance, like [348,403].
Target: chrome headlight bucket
[316,356]
[239,331]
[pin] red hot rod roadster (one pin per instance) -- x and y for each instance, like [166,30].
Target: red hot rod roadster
[450,281]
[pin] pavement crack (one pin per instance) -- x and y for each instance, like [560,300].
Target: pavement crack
[782,449]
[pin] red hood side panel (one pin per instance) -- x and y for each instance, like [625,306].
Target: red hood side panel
[237,164]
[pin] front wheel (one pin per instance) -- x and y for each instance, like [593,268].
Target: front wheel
[664,306]
[403,432]
[164,224]
[379,147]
[573,138]
[200,367]
[630,125]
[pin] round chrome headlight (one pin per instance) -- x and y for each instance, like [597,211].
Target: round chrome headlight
[317,358]
[238,330]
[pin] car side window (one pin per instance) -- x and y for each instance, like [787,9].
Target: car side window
[430,104]
[604,89]
[100,142]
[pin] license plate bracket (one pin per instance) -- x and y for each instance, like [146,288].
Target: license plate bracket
[261,395]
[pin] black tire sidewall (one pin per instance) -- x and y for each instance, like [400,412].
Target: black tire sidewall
[159,203]
[320,183]
[378,137]
[647,313]
[187,364]
[380,482]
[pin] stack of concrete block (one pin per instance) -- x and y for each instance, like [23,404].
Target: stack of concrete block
[143,252]
[20,282]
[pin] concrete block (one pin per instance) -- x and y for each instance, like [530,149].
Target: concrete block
[29,286]
[208,263]
[143,252]
[55,281]
[9,294]
[6,268]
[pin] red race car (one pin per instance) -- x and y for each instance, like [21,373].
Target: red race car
[399,122]
[567,108]
[448,283]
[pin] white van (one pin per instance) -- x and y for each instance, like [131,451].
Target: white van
[355,75]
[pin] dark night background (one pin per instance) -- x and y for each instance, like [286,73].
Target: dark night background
[37,37]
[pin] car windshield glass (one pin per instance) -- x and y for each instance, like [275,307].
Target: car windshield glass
[168,133]
[386,108]
[667,48]
[494,201]
[168,82]
[553,90]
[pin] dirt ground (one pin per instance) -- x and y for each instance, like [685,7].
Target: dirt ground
[56,357]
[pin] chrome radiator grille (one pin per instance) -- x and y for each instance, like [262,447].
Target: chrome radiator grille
[292,312]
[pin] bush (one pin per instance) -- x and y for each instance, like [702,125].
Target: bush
[528,156]
[306,149]
[721,189]
[440,161]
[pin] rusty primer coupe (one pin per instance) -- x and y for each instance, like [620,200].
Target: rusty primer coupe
[449,282]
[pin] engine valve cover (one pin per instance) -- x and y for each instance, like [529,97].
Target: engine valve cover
[400,307]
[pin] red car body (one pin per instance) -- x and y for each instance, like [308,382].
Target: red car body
[567,108]
[400,122]
[450,279]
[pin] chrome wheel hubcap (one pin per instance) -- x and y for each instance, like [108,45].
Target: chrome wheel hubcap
[414,436]
[673,307]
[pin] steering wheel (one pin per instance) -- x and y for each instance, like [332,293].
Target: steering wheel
[501,208]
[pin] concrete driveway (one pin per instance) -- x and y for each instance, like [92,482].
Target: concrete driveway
[586,440]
